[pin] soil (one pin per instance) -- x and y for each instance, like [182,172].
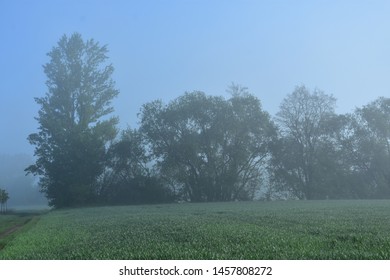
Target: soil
[9,231]
[12,229]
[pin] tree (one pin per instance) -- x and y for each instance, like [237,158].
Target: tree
[3,200]
[302,157]
[129,177]
[367,147]
[73,125]
[128,157]
[208,148]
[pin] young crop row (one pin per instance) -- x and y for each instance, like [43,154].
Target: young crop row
[251,230]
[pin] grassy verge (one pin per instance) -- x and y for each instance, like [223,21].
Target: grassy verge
[12,224]
[251,230]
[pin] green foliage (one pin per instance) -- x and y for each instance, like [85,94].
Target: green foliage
[304,159]
[129,177]
[367,147]
[73,128]
[236,230]
[209,148]
[128,157]
[323,155]
[198,147]
[14,223]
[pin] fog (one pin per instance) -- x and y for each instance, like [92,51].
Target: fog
[162,49]
[172,104]
[23,190]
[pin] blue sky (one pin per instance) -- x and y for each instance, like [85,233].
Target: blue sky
[160,49]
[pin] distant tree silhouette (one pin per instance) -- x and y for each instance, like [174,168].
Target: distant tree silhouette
[300,161]
[3,200]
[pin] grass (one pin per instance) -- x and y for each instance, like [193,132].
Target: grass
[12,223]
[236,230]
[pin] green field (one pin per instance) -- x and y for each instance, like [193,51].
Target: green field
[236,230]
[14,223]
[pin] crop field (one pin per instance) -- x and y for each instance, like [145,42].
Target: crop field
[236,230]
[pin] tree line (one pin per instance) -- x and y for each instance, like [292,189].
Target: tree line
[199,147]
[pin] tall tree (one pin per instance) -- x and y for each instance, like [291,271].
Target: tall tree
[74,128]
[209,148]
[300,157]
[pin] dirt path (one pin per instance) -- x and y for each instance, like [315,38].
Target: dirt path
[14,228]
[10,230]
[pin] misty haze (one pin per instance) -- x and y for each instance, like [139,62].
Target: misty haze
[127,139]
